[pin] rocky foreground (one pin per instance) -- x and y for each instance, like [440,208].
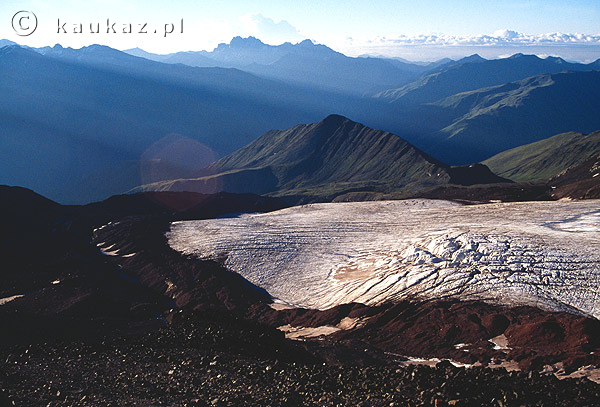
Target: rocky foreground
[97,309]
[218,361]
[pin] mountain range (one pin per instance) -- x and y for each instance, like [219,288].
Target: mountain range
[468,110]
[488,121]
[305,63]
[337,159]
[475,72]
[83,124]
[78,125]
[182,291]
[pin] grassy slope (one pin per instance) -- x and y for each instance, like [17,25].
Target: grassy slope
[321,161]
[505,117]
[544,159]
[475,73]
[336,156]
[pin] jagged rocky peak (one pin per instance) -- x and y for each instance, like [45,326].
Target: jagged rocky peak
[248,42]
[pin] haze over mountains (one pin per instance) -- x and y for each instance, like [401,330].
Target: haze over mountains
[81,125]
[490,120]
[76,123]
[306,63]
[475,72]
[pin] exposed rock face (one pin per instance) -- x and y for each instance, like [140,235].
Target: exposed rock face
[543,254]
[580,181]
[58,283]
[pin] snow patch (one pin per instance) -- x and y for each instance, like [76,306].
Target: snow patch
[584,223]
[9,299]
[500,342]
[301,333]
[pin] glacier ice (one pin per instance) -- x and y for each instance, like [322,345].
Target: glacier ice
[544,254]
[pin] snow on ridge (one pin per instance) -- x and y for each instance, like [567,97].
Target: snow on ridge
[543,254]
[9,299]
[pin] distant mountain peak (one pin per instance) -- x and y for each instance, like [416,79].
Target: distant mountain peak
[102,49]
[529,57]
[99,46]
[557,60]
[306,43]
[14,48]
[334,118]
[4,43]
[87,53]
[248,42]
[473,58]
[251,42]
[7,49]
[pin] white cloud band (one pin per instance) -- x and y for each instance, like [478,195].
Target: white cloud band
[499,38]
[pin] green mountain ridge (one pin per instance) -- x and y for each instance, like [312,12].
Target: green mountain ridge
[499,118]
[328,160]
[473,73]
[545,159]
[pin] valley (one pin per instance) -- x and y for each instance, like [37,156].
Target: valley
[291,225]
[101,122]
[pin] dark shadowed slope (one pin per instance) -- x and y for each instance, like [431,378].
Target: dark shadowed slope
[78,125]
[496,119]
[305,63]
[544,159]
[581,181]
[326,160]
[56,282]
[475,72]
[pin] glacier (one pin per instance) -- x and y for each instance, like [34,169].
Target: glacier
[543,254]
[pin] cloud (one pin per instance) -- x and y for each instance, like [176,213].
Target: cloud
[267,30]
[499,38]
[430,47]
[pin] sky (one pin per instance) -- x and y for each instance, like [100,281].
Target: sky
[417,30]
